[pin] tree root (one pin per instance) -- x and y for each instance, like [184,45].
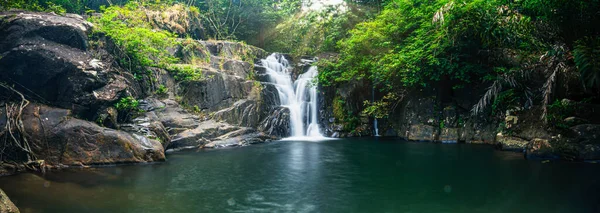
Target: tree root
[14,131]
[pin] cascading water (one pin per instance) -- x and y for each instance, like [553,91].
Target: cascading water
[299,96]
[375,120]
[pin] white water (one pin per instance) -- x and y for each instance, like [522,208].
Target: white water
[375,120]
[299,96]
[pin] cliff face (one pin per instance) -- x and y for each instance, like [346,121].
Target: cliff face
[71,80]
[441,114]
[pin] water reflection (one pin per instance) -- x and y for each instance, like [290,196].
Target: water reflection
[331,176]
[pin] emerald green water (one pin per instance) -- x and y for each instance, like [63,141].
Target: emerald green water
[350,175]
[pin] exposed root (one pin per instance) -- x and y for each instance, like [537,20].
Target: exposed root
[14,134]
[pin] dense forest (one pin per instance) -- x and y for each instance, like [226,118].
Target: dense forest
[346,86]
[510,55]
[396,45]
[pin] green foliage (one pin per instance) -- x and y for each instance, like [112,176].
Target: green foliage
[56,6]
[162,90]
[142,45]
[504,100]
[416,43]
[343,116]
[243,20]
[313,32]
[558,111]
[185,72]
[127,104]
[587,58]
[381,108]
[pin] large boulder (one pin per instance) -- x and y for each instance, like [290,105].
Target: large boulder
[278,123]
[589,152]
[242,113]
[201,135]
[421,132]
[509,143]
[65,73]
[541,149]
[586,133]
[58,138]
[7,206]
[216,92]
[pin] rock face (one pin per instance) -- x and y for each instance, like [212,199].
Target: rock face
[278,123]
[64,63]
[72,83]
[58,138]
[7,206]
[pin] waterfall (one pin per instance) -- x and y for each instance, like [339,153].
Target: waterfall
[375,118]
[300,97]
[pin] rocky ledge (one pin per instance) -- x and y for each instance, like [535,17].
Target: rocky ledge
[60,84]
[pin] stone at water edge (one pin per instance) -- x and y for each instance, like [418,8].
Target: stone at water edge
[422,133]
[540,149]
[509,143]
[7,206]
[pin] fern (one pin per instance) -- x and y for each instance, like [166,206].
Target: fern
[587,58]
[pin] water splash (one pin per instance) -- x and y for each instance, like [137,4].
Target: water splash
[299,96]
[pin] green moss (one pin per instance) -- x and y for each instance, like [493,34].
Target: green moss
[139,43]
[185,72]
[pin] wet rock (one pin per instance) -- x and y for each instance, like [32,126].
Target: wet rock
[218,91]
[449,135]
[573,121]
[241,137]
[278,123]
[422,133]
[242,113]
[7,206]
[541,149]
[172,116]
[240,69]
[478,132]
[589,152]
[200,135]
[21,28]
[108,118]
[508,143]
[586,133]
[58,138]
[149,127]
[450,116]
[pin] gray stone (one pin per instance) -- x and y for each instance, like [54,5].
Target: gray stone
[508,143]
[449,135]
[200,135]
[58,138]
[541,149]
[7,206]
[422,133]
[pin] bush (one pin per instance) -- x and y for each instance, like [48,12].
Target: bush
[141,44]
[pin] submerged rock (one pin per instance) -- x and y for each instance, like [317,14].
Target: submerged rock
[7,206]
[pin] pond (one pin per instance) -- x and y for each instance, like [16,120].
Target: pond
[346,175]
